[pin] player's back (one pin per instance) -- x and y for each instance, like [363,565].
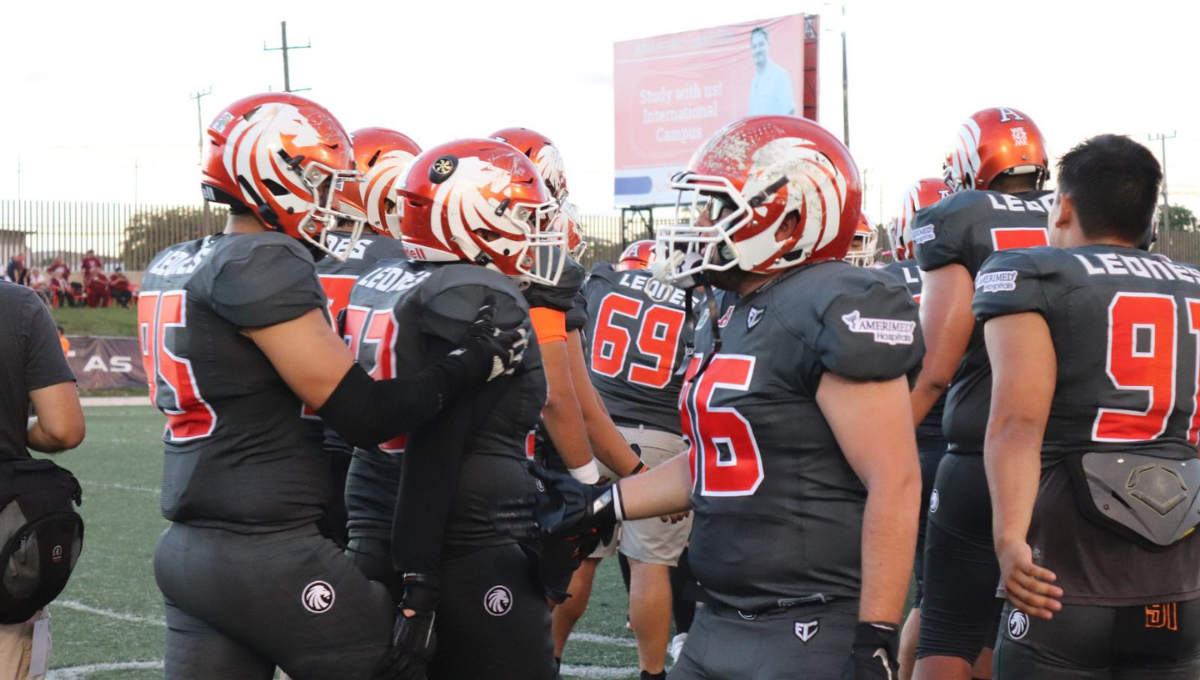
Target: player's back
[638,338]
[238,451]
[1125,327]
[405,315]
[778,509]
[965,228]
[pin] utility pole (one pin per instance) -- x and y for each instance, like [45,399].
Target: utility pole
[287,78]
[200,118]
[845,86]
[1166,203]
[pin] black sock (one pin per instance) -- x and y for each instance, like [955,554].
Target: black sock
[558,662]
[647,675]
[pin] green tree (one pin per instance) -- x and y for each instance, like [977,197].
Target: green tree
[1182,219]
[153,229]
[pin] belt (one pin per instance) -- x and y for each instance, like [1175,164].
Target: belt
[784,606]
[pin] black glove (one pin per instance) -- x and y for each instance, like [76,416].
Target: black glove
[413,639]
[488,351]
[873,655]
[567,508]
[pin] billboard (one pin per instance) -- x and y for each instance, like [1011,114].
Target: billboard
[673,91]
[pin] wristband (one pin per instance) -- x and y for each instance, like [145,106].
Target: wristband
[638,469]
[587,474]
[618,503]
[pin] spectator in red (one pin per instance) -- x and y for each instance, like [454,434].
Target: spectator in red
[62,291]
[118,286]
[90,264]
[60,270]
[16,271]
[98,294]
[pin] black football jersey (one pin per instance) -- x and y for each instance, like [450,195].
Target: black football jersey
[338,277]
[239,453]
[965,228]
[778,509]
[402,314]
[638,336]
[913,277]
[1125,326]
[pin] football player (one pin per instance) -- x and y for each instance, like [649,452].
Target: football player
[236,341]
[381,155]
[1091,442]
[864,246]
[996,166]
[804,520]
[575,428]
[931,444]
[640,342]
[473,219]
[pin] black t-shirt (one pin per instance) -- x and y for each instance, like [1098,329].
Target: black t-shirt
[240,454]
[638,336]
[1124,326]
[965,229]
[778,509]
[31,358]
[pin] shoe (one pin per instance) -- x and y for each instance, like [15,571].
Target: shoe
[676,647]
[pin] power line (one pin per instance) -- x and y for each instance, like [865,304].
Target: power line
[1166,203]
[287,78]
[200,119]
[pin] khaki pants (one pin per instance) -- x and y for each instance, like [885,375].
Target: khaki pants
[16,649]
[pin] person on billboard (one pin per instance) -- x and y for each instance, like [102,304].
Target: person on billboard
[771,91]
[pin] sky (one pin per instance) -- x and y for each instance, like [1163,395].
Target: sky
[97,107]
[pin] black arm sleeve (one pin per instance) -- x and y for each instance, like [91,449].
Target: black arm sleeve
[366,412]
[429,480]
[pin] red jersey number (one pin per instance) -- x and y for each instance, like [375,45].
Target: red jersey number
[366,326]
[172,383]
[723,452]
[1143,355]
[657,337]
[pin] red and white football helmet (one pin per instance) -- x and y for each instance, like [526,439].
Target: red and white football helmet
[570,224]
[542,152]
[995,142]
[638,255]
[382,156]
[282,156]
[864,244]
[745,180]
[924,193]
[481,201]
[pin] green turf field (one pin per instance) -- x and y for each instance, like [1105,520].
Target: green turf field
[110,321]
[107,625]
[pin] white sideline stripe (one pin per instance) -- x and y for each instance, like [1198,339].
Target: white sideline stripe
[79,672]
[604,640]
[131,618]
[122,487]
[114,401]
[599,671]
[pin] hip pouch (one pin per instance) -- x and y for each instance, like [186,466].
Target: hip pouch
[1152,501]
[41,535]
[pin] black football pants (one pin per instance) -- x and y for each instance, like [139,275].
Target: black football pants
[960,612]
[1154,642]
[493,621]
[238,605]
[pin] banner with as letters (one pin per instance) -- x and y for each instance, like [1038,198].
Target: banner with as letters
[101,363]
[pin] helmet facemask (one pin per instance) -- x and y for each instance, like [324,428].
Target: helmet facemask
[708,211]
